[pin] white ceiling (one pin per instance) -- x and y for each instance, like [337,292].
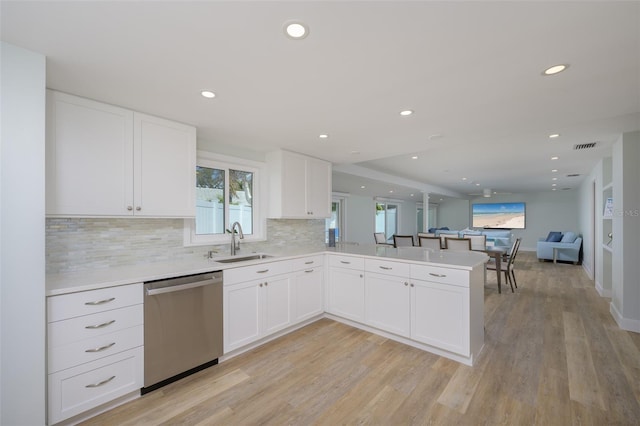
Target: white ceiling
[471,71]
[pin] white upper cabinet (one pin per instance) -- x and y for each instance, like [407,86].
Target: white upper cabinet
[300,186]
[103,160]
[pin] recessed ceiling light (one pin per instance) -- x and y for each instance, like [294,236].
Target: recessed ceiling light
[464,178]
[295,30]
[554,179]
[415,157]
[391,191]
[406,112]
[554,158]
[208,94]
[554,135]
[554,184]
[412,195]
[323,136]
[553,189]
[555,69]
[477,184]
[362,187]
[554,171]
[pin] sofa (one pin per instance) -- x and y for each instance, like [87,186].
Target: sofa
[567,247]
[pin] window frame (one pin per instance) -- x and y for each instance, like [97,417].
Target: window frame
[224,162]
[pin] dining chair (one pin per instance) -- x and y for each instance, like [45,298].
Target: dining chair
[380,238]
[478,242]
[429,242]
[426,234]
[452,243]
[403,241]
[507,268]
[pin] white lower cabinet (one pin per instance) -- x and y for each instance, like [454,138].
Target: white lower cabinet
[95,348]
[388,303]
[346,287]
[308,293]
[255,309]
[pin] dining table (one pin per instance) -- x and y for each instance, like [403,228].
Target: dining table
[497,252]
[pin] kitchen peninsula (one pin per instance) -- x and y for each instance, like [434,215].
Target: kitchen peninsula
[431,300]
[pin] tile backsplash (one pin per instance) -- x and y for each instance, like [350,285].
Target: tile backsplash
[76,244]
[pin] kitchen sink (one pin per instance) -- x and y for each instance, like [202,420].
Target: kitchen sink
[243,258]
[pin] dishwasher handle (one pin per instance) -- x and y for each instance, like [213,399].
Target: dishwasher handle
[180,287]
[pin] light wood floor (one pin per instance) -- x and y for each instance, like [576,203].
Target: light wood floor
[553,356]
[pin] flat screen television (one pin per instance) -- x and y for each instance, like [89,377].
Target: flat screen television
[498,215]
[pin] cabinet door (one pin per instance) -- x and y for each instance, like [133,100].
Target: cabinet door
[276,304]
[307,293]
[346,293]
[89,157]
[241,315]
[293,186]
[387,303]
[318,174]
[440,315]
[165,167]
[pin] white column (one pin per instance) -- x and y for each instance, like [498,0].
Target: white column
[22,235]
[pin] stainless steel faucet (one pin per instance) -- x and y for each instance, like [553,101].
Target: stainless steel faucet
[233,237]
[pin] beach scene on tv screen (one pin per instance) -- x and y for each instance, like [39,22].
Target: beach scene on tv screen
[498,215]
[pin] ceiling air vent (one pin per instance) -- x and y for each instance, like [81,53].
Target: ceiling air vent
[585,145]
[573,175]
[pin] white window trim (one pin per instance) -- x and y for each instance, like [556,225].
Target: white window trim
[209,159]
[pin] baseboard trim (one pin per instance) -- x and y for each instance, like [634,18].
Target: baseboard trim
[602,291]
[624,323]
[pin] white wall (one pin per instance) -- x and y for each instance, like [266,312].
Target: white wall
[591,231]
[22,260]
[359,219]
[545,211]
[625,301]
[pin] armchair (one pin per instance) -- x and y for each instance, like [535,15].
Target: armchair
[568,249]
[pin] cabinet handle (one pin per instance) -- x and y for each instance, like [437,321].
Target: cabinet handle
[412,285]
[361,275]
[437,275]
[100,302]
[261,284]
[104,382]
[345,262]
[262,272]
[308,271]
[129,208]
[104,324]
[266,284]
[406,283]
[309,262]
[386,268]
[101,348]
[138,208]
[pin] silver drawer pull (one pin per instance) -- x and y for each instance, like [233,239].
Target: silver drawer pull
[387,268]
[104,382]
[345,262]
[437,275]
[262,272]
[309,262]
[308,270]
[100,302]
[101,348]
[103,325]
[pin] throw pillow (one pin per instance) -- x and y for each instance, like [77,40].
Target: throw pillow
[554,237]
[569,237]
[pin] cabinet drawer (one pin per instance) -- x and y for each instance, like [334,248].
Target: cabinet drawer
[255,272]
[440,275]
[61,333]
[350,262]
[387,267]
[88,350]
[78,389]
[90,302]
[307,262]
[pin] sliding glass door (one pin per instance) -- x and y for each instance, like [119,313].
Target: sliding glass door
[387,220]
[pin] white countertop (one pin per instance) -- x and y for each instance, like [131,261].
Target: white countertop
[72,282]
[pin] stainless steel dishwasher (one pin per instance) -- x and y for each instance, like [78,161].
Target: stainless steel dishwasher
[182,327]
